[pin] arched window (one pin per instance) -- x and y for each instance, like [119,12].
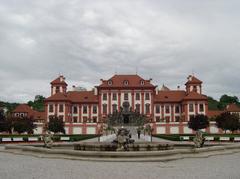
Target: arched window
[147,108]
[142,82]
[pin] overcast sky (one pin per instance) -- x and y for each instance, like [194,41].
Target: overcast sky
[89,40]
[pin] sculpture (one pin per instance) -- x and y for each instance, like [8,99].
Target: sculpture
[123,139]
[47,139]
[199,139]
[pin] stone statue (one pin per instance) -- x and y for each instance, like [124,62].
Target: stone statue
[123,139]
[199,139]
[48,140]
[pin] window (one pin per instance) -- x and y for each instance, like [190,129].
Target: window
[75,109]
[60,107]
[60,117]
[191,108]
[157,109]
[50,108]
[201,107]
[142,82]
[138,108]
[177,109]
[94,109]
[147,108]
[57,89]
[195,88]
[104,108]
[147,96]
[75,119]
[85,119]
[167,119]
[114,108]
[104,96]
[125,82]
[110,82]
[85,109]
[137,96]
[94,119]
[167,109]
[114,96]
[125,96]
[158,119]
[177,118]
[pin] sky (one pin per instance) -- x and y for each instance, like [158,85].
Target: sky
[86,40]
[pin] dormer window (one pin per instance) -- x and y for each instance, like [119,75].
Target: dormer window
[126,83]
[110,82]
[142,82]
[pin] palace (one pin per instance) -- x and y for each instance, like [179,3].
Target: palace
[84,112]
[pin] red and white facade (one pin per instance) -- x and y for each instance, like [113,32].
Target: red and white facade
[84,112]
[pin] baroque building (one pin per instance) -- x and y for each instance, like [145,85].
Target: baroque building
[84,112]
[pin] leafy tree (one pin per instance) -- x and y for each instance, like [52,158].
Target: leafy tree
[38,103]
[212,104]
[56,125]
[198,122]
[227,121]
[21,125]
[5,124]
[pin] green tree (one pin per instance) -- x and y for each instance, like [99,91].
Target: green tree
[56,125]
[198,122]
[21,125]
[225,100]
[227,121]
[38,103]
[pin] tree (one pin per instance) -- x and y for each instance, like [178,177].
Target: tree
[56,125]
[227,121]
[198,122]
[38,103]
[21,125]
[5,124]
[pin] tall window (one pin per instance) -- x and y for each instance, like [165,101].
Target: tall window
[114,97]
[94,109]
[94,119]
[138,108]
[147,106]
[147,96]
[75,119]
[104,96]
[57,89]
[75,110]
[85,109]
[201,107]
[114,107]
[125,96]
[157,109]
[177,109]
[137,96]
[167,109]
[104,108]
[191,108]
[50,108]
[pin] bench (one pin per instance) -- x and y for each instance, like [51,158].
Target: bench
[65,138]
[236,139]
[18,139]
[184,137]
[224,138]
[32,139]
[6,140]
[209,138]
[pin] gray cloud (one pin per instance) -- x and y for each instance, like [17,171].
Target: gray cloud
[89,40]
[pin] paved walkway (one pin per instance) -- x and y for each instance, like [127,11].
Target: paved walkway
[27,167]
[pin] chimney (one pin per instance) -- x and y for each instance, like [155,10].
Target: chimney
[95,91]
[178,87]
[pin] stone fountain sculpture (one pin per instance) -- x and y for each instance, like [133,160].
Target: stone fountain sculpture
[123,139]
[48,140]
[199,139]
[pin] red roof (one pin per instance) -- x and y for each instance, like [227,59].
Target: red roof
[195,96]
[214,113]
[132,80]
[75,96]
[24,108]
[60,80]
[170,96]
[193,80]
[82,96]
[232,108]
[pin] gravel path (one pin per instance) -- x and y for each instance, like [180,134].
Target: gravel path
[27,167]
